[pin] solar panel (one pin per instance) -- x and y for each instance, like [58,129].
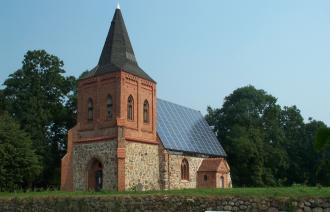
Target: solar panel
[185,130]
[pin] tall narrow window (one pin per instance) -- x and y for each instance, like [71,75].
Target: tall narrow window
[146,111]
[184,170]
[90,109]
[109,107]
[130,108]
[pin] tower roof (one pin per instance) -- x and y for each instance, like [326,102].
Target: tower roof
[117,53]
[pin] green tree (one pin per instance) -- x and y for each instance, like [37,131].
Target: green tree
[293,126]
[322,138]
[42,99]
[248,126]
[2,101]
[19,165]
[268,145]
[320,167]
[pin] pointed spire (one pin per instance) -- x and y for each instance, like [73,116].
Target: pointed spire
[117,53]
[118,6]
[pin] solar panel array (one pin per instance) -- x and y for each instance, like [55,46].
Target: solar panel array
[185,130]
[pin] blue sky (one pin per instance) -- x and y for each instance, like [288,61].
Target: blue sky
[197,51]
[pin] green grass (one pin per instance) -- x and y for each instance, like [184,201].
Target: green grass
[280,192]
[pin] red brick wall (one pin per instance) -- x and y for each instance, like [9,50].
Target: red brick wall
[141,90]
[210,182]
[66,164]
[120,85]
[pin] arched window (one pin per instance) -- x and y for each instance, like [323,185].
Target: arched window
[146,111]
[109,107]
[90,109]
[130,108]
[184,170]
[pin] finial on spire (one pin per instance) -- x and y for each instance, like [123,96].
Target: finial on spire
[118,6]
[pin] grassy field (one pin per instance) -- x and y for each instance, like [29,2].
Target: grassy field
[285,192]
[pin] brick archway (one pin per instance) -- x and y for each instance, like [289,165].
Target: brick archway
[95,175]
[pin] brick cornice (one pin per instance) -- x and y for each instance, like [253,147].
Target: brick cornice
[141,141]
[95,139]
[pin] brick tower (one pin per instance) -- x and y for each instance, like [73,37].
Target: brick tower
[114,144]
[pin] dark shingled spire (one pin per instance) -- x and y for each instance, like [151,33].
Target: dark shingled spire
[117,53]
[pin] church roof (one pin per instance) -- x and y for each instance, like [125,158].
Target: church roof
[212,165]
[185,130]
[117,53]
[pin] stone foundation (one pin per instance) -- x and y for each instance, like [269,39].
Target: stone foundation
[174,171]
[105,152]
[162,203]
[141,166]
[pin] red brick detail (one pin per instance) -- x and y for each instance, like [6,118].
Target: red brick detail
[66,165]
[210,172]
[120,85]
[211,164]
[95,139]
[120,122]
[93,166]
[121,174]
[121,153]
[141,140]
[98,88]
[206,179]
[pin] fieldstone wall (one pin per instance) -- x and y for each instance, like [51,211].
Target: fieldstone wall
[162,203]
[141,166]
[105,152]
[174,169]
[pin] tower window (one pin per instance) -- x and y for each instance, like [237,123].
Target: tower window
[130,108]
[184,170]
[90,109]
[109,107]
[146,111]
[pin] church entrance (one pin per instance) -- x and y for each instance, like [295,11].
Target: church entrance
[222,182]
[95,175]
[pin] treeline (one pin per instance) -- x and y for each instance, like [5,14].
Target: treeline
[37,107]
[268,145]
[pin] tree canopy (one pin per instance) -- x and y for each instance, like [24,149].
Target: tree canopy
[19,164]
[42,100]
[267,145]
[322,138]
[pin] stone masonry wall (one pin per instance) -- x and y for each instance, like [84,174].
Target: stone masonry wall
[162,203]
[141,166]
[174,166]
[105,152]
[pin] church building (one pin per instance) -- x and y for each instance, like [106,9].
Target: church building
[128,139]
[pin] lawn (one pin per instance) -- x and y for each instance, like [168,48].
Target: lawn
[281,192]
